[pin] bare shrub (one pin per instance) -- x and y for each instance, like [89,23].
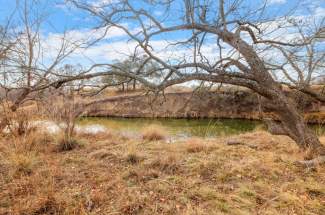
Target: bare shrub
[17,123]
[64,111]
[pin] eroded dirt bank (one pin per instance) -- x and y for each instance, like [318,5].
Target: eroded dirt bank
[239,104]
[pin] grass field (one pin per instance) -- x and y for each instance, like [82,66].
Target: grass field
[108,173]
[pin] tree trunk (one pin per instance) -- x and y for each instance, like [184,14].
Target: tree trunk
[134,84]
[292,122]
[20,99]
[294,125]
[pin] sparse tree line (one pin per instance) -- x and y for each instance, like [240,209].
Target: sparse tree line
[245,54]
[136,65]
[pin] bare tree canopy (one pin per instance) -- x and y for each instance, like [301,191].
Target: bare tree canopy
[30,64]
[231,42]
[224,42]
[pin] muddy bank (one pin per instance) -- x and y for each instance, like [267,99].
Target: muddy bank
[239,104]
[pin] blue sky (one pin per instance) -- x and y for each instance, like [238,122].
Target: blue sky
[66,18]
[62,17]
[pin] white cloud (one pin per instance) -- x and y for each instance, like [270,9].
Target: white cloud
[319,11]
[98,4]
[270,2]
[115,45]
[108,51]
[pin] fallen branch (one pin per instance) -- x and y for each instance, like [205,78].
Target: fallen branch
[311,163]
[237,142]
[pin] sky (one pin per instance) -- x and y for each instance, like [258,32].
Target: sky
[65,18]
[62,17]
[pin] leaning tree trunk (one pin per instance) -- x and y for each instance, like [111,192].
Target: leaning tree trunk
[292,122]
[293,125]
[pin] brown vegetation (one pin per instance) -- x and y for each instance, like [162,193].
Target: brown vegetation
[254,173]
[114,175]
[194,145]
[227,102]
[153,133]
[247,67]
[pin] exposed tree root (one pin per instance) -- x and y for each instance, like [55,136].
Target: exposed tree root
[311,163]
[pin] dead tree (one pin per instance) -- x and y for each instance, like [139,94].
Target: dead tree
[240,41]
[27,67]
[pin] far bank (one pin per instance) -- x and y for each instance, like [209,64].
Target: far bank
[207,104]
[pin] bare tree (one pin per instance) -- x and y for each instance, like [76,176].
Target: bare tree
[302,65]
[29,64]
[63,108]
[133,65]
[240,41]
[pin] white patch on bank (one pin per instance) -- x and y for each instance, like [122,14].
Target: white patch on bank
[53,128]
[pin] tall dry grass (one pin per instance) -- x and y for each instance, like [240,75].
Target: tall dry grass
[114,175]
[194,145]
[154,132]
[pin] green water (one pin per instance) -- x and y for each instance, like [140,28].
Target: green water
[183,127]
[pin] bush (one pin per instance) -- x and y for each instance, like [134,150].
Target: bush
[22,163]
[17,123]
[153,133]
[34,141]
[194,145]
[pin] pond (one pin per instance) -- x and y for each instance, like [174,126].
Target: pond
[184,127]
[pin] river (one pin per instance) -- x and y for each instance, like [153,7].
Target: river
[184,127]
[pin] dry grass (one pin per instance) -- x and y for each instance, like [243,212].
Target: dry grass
[169,164]
[154,133]
[111,175]
[194,145]
[21,164]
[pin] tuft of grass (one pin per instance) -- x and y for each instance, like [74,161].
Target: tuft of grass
[22,163]
[203,194]
[95,136]
[101,154]
[32,141]
[46,204]
[170,164]
[223,206]
[194,145]
[140,175]
[154,133]
[65,144]
[206,170]
[133,203]
[133,158]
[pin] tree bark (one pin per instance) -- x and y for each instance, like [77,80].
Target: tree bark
[294,125]
[134,84]
[292,121]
